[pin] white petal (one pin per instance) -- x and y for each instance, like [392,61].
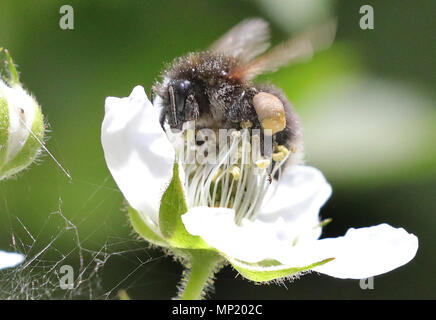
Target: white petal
[10,259]
[253,241]
[137,152]
[361,253]
[295,200]
[367,252]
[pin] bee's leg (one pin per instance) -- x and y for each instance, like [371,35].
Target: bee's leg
[192,109]
[234,114]
[241,114]
[247,113]
[290,137]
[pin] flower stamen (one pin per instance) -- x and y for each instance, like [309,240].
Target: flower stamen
[239,177]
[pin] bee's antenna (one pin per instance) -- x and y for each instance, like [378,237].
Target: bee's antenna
[173,104]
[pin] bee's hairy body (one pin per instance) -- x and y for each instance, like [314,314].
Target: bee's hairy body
[218,101]
[216,89]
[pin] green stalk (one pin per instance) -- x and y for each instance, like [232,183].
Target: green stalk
[203,265]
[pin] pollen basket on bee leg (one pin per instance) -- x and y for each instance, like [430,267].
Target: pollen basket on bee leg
[270,111]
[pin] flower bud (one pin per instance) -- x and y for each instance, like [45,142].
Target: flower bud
[21,129]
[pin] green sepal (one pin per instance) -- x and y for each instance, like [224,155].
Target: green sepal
[4,126]
[13,73]
[144,230]
[172,207]
[270,270]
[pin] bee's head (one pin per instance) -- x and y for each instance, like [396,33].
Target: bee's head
[179,102]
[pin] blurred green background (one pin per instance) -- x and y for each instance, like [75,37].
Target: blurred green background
[367,107]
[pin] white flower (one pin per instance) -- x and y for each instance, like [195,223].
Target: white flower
[266,230]
[10,259]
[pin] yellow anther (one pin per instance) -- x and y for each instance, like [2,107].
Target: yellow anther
[281,153]
[283,149]
[235,172]
[278,156]
[263,163]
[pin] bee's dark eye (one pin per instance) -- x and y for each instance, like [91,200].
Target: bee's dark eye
[180,89]
[178,92]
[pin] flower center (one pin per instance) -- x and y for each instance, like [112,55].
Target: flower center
[228,172]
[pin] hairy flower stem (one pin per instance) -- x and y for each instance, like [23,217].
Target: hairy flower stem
[203,266]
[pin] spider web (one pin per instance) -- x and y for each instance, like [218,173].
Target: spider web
[40,277]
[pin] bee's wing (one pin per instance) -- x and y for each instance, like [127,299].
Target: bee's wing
[296,49]
[245,41]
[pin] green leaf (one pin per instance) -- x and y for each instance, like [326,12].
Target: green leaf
[172,207]
[270,270]
[144,230]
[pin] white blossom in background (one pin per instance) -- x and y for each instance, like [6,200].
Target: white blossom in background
[10,259]
[274,237]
